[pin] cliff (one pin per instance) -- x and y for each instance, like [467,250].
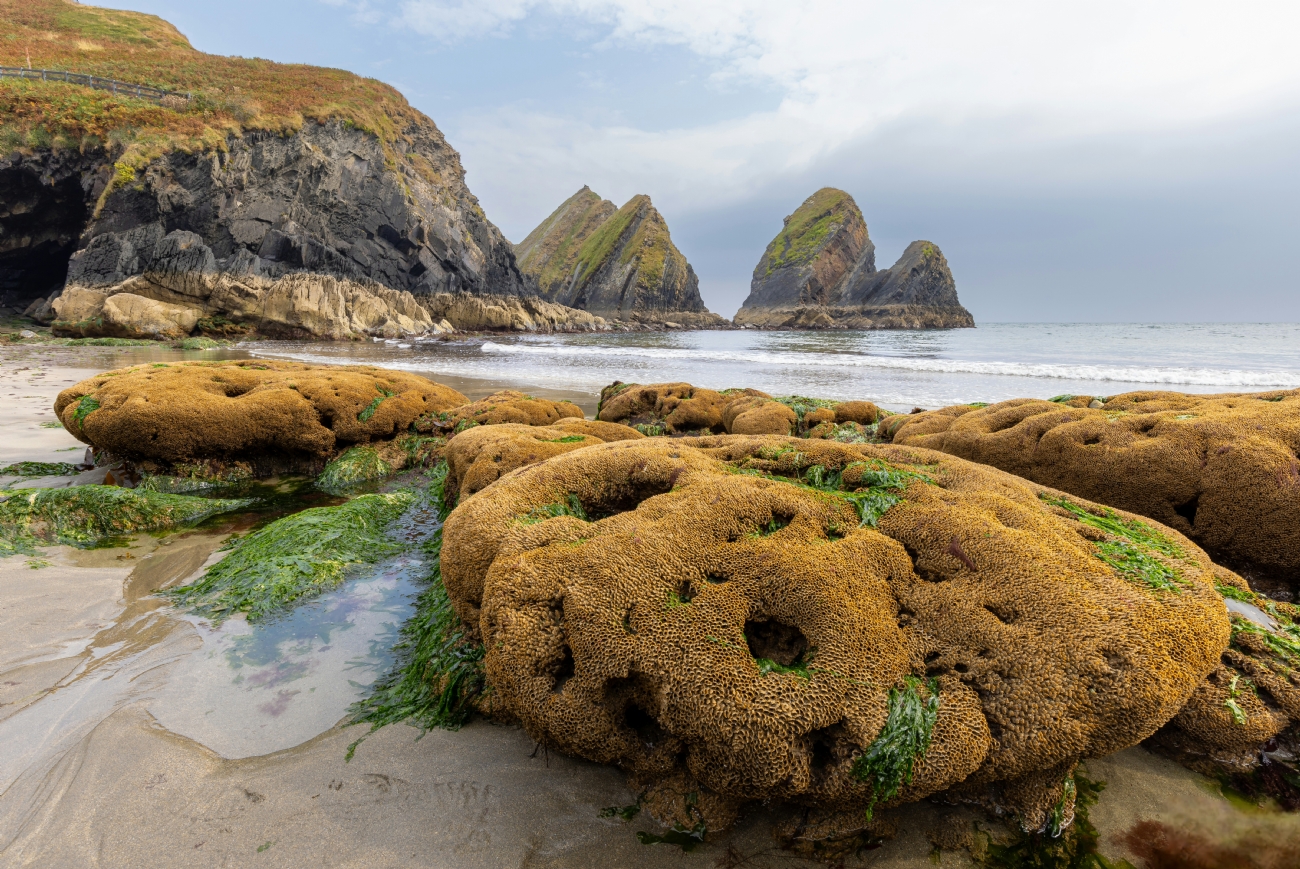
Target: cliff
[265,170]
[820,273]
[617,263]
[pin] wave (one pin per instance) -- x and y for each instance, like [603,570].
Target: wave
[1221,377]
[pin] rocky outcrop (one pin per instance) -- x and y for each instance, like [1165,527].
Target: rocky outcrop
[619,263]
[180,293]
[820,273]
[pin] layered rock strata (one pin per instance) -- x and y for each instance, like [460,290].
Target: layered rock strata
[619,263]
[181,289]
[820,273]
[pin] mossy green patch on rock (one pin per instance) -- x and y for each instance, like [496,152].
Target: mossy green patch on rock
[86,516]
[355,466]
[38,469]
[802,236]
[1132,548]
[296,557]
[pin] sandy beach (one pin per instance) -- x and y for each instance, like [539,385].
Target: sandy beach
[136,735]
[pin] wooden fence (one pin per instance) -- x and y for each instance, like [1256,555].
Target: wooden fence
[120,88]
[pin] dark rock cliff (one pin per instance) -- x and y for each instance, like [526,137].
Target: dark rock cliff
[820,272]
[616,263]
[327,200]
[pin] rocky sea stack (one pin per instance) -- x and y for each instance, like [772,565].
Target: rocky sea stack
[247,175]
[820,273]
[618,263]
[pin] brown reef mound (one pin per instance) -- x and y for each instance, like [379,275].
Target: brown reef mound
[744,618]
[247,409]
[504,406]
[1222,469]
[480,455]
[682,409]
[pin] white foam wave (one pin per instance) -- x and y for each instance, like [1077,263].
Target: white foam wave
[1219,377]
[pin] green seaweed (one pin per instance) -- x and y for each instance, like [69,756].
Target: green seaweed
[87,516]
[38,469]
[199,344]
[569,439]
[688,839]
[569,507]
[353,467]
[1074,847]
[880,486]
[889,762]
[299,556]
[627,813]
[369,412]
[1239,715]
[650,430]
[1062,399]
[85,407]
[437,672]
[1129,552]
[1284,643]
[802,405]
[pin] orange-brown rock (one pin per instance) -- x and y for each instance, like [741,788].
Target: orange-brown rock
[1222,469]
[748,614]
[247,409]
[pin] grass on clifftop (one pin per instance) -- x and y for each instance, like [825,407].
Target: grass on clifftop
[801,238]
[87,516]
[296,557]
[231,94]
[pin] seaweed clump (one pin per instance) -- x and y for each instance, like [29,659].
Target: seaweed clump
[353,467]
[1134,549]
[88,516]
[889,762]
[296,557]
[437,674]
[38,469]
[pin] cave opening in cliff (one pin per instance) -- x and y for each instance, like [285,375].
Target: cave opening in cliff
[40,224]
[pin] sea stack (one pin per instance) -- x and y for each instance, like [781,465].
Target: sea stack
[616,263]
[820,273]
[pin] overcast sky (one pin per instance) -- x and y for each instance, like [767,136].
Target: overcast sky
[1100,161]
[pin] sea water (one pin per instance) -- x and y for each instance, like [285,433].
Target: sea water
[897,369]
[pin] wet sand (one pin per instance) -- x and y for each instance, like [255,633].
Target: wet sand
[137,736]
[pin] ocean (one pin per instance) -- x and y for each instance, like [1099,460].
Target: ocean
[896,369]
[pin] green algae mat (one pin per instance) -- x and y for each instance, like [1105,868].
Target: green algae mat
[88,516]
[294,558]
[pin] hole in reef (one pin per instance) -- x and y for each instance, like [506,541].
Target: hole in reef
[1188,510]
[627,619]
[1114,659]
[1146,426]
[643,724]
[961,668]
[773,525]
[624,499]
[564,670]
[824,746]
[685,593]
[775,641]
[1092,440]
[906,618]
[716,578]
[925,573]
[1001,613]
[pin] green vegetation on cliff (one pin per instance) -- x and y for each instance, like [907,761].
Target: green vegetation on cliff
[805,230]
[550,251]
[604,241]
[231,94]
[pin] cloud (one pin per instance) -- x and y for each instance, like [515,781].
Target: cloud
[981,77]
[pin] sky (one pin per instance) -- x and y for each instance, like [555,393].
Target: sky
[1085,162]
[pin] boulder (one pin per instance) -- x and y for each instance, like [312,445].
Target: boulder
[1221,469]
[78,312]
[249,410]
[130,316]
[758,618]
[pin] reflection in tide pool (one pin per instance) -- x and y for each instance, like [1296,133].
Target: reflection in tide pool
[257,688]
